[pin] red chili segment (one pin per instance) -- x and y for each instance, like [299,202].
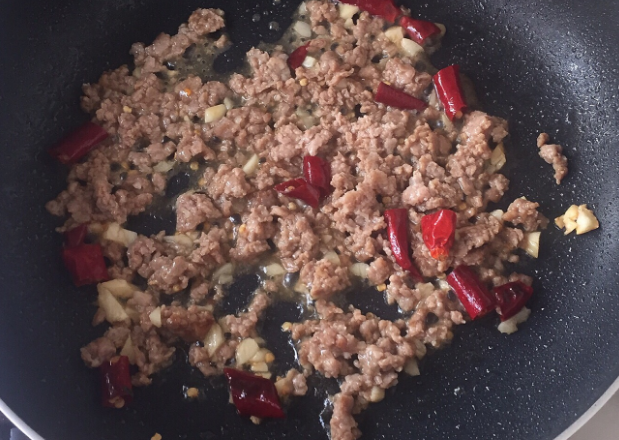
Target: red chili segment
[511,298]
[385,94]
[116,390]
[317,172]
[438,231]
[79,143]
[85,263]
[300,189]
[449,90]
[419,30]
[76,236]
[297,56]
[382,8]
[397,230]
[253,395]
[471,291]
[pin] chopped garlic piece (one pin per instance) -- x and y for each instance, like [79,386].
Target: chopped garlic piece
[225,274]
[412,367]
[511,325]
[259,367]
[246,350]
[117,234]
[578,218]
[377,394]
[214,339]
[425,289]
[180,239]
[498,214]
[411,48]
[303,29]
[164,166]
[395,34]
[497,159]
[114,311]
[274,269]
[332,257]
[309,62]
[420,349]
[155,317]
[119,288]
[260,356]
[228,103]
[498,156]
[128,350]
[586,220]
[572,212]
[530,243]
[251,165]
[347,11]
[214,113]
[570,225]
[360,270]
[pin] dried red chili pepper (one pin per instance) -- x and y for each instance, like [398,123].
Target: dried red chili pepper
[297,56]
[419,30]
[317,172]
[449,90]
[85,263]
[385,94]
[300,189]
[438,231]
[78,143]
[76,236]
[397,230]
[471,291]
[511,298]
[253,395]
[382,8]
[116,390]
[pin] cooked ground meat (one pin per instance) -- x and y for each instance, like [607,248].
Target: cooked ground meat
[194,209]
[244,325]
[523,212]
[190,324]
[231,218]
[98,351]
[324,278]
[552,154]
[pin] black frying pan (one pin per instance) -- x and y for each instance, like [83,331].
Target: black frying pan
[543,65]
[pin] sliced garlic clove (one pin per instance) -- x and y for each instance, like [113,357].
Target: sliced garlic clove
[246,350]
[530,243]
[215,113]
[347,11]
[155,317]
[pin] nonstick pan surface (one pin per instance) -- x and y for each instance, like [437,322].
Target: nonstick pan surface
[545,66]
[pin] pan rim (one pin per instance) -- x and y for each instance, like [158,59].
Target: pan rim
[565,435]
